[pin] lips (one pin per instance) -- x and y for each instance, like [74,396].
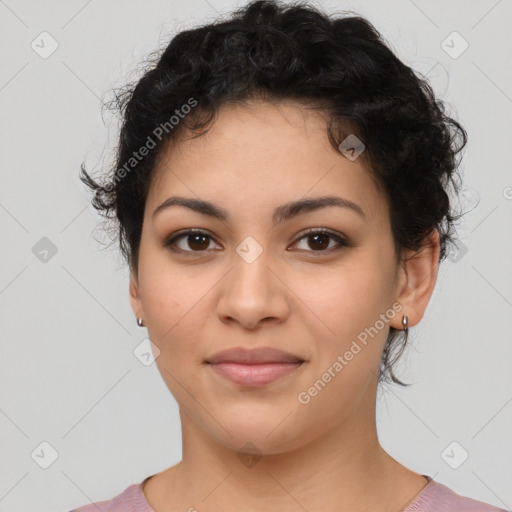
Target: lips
[261,355]
[256,367]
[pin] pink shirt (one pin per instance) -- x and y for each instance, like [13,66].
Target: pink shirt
[434,497]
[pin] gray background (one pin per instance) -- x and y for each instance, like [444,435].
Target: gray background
[68,375]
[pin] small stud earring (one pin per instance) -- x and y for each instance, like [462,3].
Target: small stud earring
[404,323]
[139,322]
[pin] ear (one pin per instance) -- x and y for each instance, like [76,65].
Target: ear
[135,299]
[417,279]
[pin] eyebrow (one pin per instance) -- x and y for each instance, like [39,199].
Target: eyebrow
[281,213]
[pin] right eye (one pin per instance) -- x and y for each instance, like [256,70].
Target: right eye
[195,239]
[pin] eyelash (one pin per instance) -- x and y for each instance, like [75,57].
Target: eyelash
[342,242]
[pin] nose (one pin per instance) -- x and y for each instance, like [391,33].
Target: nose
[253,293]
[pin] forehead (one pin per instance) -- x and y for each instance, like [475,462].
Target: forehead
[263,153]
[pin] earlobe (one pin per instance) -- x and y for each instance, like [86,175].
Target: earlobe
[417,280]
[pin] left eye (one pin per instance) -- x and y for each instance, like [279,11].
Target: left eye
[199,241]
[320,237]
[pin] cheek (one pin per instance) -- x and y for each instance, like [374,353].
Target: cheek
[176,329]
[164,289]
[344,306]
[167,306]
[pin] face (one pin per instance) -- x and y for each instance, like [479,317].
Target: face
[254,280]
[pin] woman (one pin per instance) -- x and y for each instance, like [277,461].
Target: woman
[281,193]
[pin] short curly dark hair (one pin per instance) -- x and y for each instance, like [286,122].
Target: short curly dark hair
[272,51]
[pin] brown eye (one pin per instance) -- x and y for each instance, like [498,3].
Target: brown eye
[193,241]
[319,240]
[198,242]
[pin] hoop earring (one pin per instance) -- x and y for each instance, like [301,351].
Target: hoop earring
[139,322]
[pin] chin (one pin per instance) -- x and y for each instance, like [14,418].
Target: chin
[268,435]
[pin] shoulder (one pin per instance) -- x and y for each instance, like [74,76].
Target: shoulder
[443,499]
[130,500]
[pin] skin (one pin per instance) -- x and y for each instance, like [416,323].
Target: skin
[322,456]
